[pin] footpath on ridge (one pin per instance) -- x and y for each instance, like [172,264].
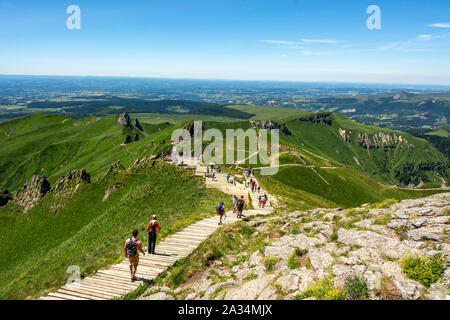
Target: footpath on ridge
[114,282]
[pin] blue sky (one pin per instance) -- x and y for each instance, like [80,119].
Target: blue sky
[230,39]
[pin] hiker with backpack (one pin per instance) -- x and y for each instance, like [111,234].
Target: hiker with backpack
[253,186]
[132,246]
[228,177]
[234,199]
[264,200]
[240,207]
[220,209]
[152,230]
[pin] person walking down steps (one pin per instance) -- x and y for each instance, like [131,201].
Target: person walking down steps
[132,245]
[220,209]
[240,207]
[264,200]
[152,230]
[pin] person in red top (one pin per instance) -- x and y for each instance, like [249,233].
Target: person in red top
[152,230]
[132,245]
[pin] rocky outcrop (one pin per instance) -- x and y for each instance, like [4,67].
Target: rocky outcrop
[270,125]
[66,187]
[137,125]
[32,192]
[383,140]
[127,140]
[73,178]
[145,162]
[111,190]
[321,117]
[114,168]
[334,244]
[345,135]
[124,120]
[5,197]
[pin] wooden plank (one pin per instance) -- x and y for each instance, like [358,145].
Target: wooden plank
[51,298]
[121,278]
[94,291]
[188,236]
[102,288]
[118,282]
[79,294]
[107,285]
[66,296]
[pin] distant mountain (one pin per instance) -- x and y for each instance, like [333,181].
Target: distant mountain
[401,110]
[81,107]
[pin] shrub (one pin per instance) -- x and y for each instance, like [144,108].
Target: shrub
[300,252]
[423,269]
[356,288]
[334,237]
[270,262]
[384,204]
[383,219]
[292,261]
[388,290]
[322,290]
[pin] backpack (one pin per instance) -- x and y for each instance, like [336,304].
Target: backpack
[131,248]
[240,204]
[219,209]
[152,230]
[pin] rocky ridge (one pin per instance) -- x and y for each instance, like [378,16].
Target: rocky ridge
[32,192]
[367,242]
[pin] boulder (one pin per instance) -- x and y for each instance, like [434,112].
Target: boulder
[158,296]
[124,120]
[32,192]
[137,125]
[111,190]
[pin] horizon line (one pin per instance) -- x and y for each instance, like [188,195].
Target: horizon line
[225,79]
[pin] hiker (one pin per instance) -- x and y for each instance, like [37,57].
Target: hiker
[264,200]
[220,209]
[240,206]
[228,177]
[259,189]
[234,199]
[259,201]
[152,233]
[132,245]
[213,175]
[253,185]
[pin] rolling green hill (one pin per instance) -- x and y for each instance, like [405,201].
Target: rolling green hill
[388,155]
[54,145]
[332,161]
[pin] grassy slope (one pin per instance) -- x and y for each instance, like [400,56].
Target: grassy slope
[260,113]
[301,188]
[379,163]
[40,245]
[59,144]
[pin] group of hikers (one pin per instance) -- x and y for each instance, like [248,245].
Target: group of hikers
[133,245]
[238,206]
[210,172]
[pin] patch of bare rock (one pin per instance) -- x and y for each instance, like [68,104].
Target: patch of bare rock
[368,242]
